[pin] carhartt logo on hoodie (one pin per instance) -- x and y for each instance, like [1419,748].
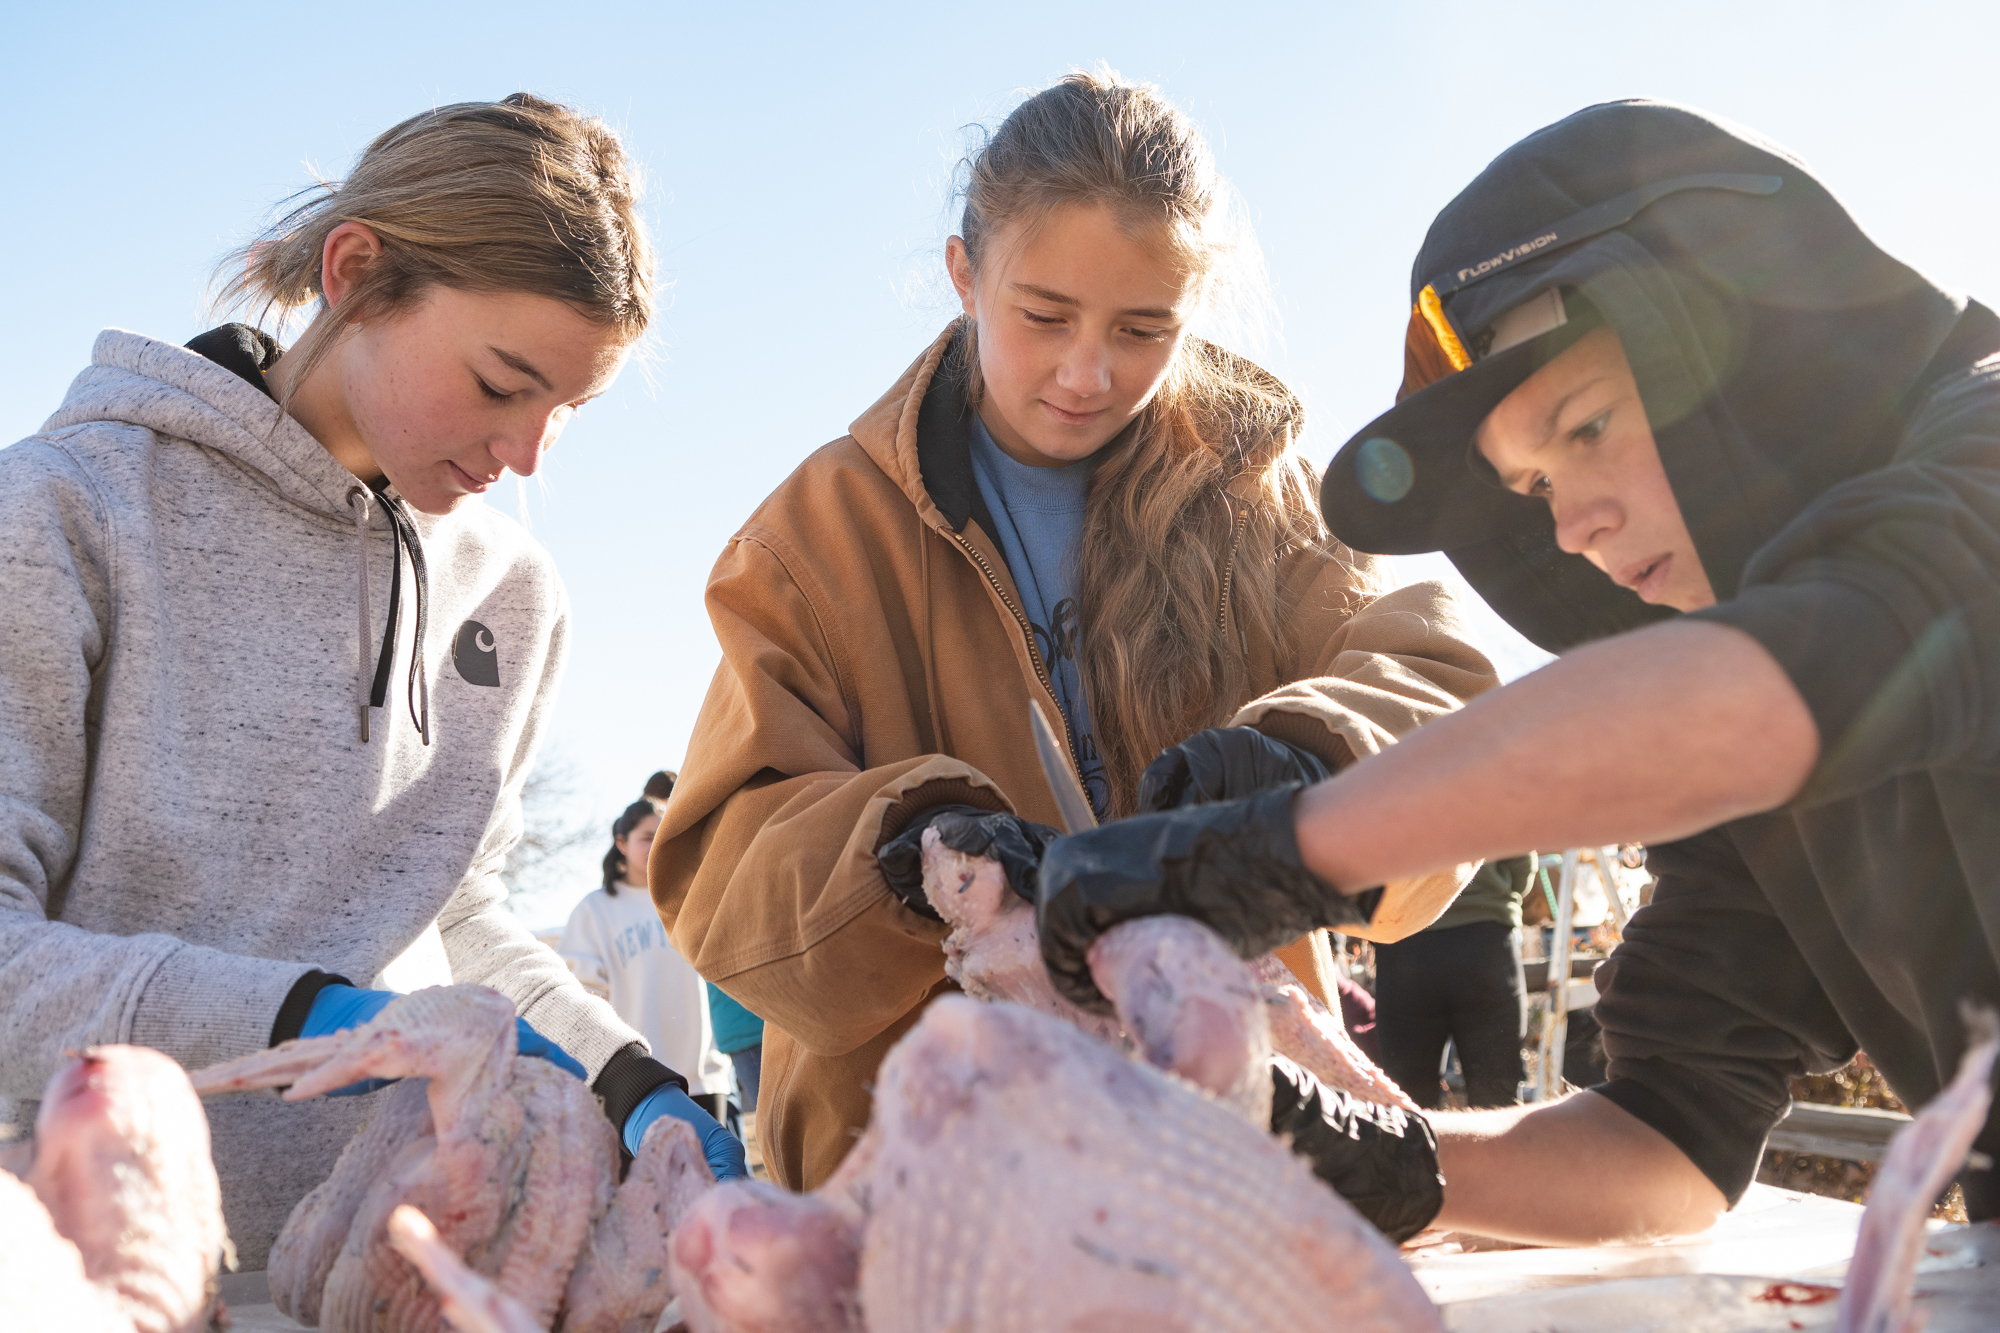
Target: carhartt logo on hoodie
[475,655]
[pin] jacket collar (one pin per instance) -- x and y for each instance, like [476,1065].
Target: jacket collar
[944,441]
[919,434]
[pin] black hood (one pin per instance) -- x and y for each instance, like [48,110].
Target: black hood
[1778,351]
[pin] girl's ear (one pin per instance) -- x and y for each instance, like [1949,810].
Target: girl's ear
[959,261]
[350,248]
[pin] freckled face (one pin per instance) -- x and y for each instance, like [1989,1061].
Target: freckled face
[462,387]
[1575,433]
[1079,322]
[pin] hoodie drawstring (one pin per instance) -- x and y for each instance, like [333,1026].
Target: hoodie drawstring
[418,693]
[357,500]
[402,533]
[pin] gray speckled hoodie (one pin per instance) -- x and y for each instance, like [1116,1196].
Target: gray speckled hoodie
[190,820]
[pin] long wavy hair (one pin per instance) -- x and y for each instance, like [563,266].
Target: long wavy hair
[1163,534]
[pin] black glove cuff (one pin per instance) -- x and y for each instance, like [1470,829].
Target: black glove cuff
[298,1003]
[1381,1159]
[1354,909]
[628,1078]
[1225,764]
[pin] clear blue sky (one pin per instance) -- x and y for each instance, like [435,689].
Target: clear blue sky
[798,158]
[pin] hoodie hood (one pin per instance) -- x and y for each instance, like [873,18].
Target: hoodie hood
[181,394]
[1778,351]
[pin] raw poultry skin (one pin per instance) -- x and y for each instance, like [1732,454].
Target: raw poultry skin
[994,953]
[620,1282]
[469,1302]
[117,1224]
[753,1258]
[1178,1213]
[1029,1177]
[1192,1007]
[1878,1295]
[1019,1175]
[509,1158]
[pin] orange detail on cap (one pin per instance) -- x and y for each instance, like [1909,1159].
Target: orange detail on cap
[1431,349]
[1433,312]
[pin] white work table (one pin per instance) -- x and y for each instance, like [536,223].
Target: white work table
[1772,1264]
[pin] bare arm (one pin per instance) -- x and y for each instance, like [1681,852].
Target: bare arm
[1646,737]
[1580,1171]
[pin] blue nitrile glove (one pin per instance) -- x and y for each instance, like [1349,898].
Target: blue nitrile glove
[337,1008]
[723,1150]
[530,1042]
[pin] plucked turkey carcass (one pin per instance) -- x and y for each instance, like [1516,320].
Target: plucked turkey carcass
[508,1157]
[1020,1173]
[1362,1135]
[994,953]
[1879,1294]
[113,1223]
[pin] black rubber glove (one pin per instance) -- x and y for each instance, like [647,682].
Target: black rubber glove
[1224,764]
[1231,865]
[1014,842]
[1381,1159]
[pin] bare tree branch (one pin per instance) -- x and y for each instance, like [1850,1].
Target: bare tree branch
[556,827]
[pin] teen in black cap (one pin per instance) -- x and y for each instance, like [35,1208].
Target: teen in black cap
[1654,368]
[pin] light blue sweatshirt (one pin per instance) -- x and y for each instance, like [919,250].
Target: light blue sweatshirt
[1039,514]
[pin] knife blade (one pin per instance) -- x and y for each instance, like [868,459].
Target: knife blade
[1071,803]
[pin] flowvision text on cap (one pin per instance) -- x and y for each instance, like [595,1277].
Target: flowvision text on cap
[1507,256]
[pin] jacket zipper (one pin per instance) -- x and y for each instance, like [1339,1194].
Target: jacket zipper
[1229,580]
[1028,635]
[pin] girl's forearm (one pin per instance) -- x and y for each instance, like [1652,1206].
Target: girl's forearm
[1647,737]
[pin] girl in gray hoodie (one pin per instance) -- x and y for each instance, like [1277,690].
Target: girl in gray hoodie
[270,682]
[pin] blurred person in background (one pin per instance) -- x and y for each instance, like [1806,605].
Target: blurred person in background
[739,1034]
[1459,981]
[618,949]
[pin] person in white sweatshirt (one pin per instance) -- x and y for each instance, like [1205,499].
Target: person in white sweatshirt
[618,949]
[271,676]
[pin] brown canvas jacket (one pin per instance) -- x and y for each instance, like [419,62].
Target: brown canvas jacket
[876,663]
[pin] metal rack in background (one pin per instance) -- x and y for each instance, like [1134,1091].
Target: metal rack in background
[1548,1082]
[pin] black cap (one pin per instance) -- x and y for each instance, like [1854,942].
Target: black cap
[1412,479]
[1777,351]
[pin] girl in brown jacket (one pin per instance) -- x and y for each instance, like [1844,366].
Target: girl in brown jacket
[1067,500]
